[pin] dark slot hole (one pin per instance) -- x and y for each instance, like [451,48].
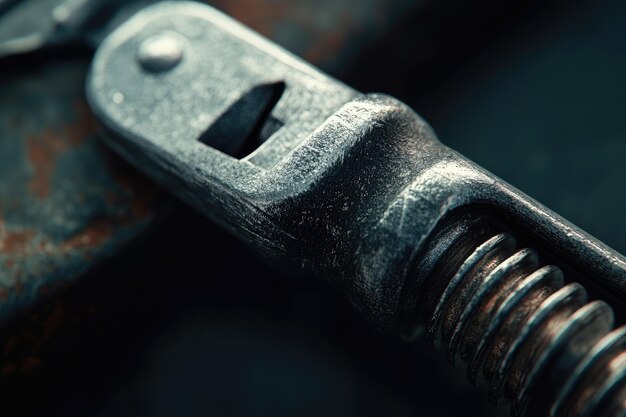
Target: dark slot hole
[247,123]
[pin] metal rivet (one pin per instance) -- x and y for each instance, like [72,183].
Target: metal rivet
[118,98]
[160,52]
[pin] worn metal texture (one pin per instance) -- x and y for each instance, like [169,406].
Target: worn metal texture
[303,189]
[65,201]
[358,189]
[330,34]
[69,157]
[92,366]
[101,362]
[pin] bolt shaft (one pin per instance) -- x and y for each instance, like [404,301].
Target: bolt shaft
[537,342]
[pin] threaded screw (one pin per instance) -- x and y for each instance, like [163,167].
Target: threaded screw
[537,342]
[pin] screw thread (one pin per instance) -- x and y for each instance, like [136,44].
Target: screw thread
[537,342]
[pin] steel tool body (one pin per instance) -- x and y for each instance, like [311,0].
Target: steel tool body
[320,178]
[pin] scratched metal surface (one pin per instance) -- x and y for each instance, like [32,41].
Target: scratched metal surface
[66,202]
[76,351]
[95,350]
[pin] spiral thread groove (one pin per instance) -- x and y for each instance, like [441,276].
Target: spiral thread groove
[537,343]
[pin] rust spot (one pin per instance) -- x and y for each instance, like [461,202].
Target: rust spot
[97,233]
[10,263]
[44,149]
[42,153]
[15,241]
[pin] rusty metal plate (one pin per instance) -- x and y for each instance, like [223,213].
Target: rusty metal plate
[65,201]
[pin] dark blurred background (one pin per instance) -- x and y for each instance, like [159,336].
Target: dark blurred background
[117,300]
